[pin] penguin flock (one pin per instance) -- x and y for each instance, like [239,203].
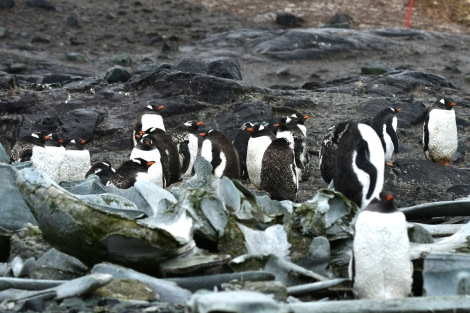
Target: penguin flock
[352,159]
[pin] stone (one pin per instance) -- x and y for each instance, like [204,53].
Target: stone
[191,65]
[289,20]
[42,4]
[7,4]
[117,74]
[79,123]
[224,67]
[446,274]
[123,60]
[375,69]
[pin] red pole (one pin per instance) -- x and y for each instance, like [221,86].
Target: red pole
[409,14]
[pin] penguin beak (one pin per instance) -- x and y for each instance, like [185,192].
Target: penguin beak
[199,123]
[60,141]
[142,132]
[277,125]
[161,107]
[202,134]
[306,117]
[398,109]
[82,142]
[452,104]
[150,163]
[389,198]
[250,129]
[47,137]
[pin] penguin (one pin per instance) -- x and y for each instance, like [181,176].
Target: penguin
[440,139]
[300,120]
[50,158]
[385,124]
[278,171]
[327,154]
[104,170]
[168,152]
[381,263]
[23,147]
[148,151]
[76,161]
[221,153]
[261,138]
[241,144]
[359,163]
[148,118]
[187,142]
[288,127]
[131,171]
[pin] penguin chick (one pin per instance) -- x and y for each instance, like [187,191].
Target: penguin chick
[241,144]
[440,139]
[328,149]
[187,143]
[385,124]
[278,173]
[23,147]
[76,161]
[131,171]
[381,257]
[221,153]
[104,170]
[359,163]
[148,118]
[261,138]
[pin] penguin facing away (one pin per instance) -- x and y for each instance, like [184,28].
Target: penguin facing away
[385,124]
[187,142]
[241,144]
[50,158]
[381,262]
[359,163]
[147,150]
[76,161]
[104,170]
[261,138]
[131,171]
[148,118]
[440,138]
[221,153]
[278,172]
[23,147]
[328,148]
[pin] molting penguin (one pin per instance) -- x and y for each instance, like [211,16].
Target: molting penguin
[261,138]
[359,163]
[76,161]
[221,153]
[148,151]
[440,132]
[328,149]
[381,255]
[300,120]
[241,144]
[50,158]
[23,147]
[278,172]
[131,171]
[288,127]
[104,170]
[385,124]
[148,118]
[187,142]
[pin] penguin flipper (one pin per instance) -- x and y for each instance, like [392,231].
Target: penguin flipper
[185,156]
[393,135]
[362,162]
[426,136]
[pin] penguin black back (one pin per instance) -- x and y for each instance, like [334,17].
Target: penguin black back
[104,170]
[129,172]
[328,149]
[241,144]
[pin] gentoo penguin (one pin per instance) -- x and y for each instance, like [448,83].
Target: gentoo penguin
[50,158]
[381,262]
[221,153]
[76,161]
[187,142]
[168,151]
[359,163]
[23,147]
[328,152]
[148,151]
[300,120]
[440,132]
[104,170]
[385,124]
[131,171]
[261,138]
[288,127]
[278,173]
[148,118]
[241,144]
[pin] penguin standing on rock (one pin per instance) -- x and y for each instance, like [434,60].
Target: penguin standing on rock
[440,132]
[359,163]
[148,118]
[221,153]
[131,171]
[23,147]
[76,161]
[241,144]
[381,262]
[278,172]
[261,138]
[104,170]
[385,124]
[187,142]
[148,151]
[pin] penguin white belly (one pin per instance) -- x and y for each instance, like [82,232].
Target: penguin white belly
[75,165]
[382,263]
[389,147]
[443,138]
[219,169]
[206,150]
[288,135]
[193,147]
[155,174]
[303,129]
[254,158]
[152,120]
[142,176]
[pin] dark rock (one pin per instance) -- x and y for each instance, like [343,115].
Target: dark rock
[79,123]
[42,4]
[375,69]
[7,4]
[123,60]
[412,113]
[224,68]
[117,74]
[191,65]
[289,20]
[8,82]
[74,56]
[72,21]
[56,79]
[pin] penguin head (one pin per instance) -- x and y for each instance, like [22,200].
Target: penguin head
[246,125]
[445,104]
[339,130]
[299,118]
[142,162]
[154,107]
[209,133]
[385,203]
[54,139]
[193,124]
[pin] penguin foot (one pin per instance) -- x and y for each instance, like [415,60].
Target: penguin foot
[389,163]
